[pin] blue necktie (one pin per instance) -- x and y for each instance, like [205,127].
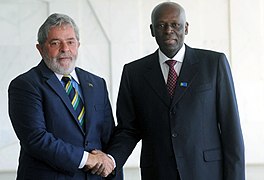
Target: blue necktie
[75,98]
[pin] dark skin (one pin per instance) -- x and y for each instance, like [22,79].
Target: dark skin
[169,27]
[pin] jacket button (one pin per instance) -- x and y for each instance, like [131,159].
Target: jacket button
[172,113]
[174,135]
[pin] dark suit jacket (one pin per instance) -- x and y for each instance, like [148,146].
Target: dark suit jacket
[52,141]
[198,133]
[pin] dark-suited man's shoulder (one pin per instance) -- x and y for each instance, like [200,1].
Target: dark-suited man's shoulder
[143,61]
[87,73]
[83,74]
[206,52]
[30,76]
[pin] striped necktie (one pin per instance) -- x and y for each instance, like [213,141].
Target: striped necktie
[75,98]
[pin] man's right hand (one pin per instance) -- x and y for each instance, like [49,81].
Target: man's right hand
[99,163]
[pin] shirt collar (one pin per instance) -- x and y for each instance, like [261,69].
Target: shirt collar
[178,57]
[73,75]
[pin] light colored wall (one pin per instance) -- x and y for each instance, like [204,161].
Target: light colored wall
[247,48]
[114,32]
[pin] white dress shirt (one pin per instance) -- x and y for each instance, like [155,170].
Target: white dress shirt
[178,57]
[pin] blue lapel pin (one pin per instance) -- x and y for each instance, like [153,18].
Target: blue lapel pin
[183,84]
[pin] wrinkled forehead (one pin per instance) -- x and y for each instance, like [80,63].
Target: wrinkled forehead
[65,31]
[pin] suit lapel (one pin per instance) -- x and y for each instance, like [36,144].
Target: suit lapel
[188,73]
[155,78]
[87,91]
[57,87]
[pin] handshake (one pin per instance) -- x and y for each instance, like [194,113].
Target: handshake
[99,163]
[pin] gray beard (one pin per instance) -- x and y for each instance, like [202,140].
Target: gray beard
[55,66]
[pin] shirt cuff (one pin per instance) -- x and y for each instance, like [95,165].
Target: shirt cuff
[84,159]
[111,157]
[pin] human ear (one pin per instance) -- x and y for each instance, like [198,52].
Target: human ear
[152,30]
[186,28]
[40,49]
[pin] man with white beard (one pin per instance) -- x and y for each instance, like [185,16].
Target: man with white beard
[61,114]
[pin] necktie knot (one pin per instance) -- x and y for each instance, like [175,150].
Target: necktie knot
[171,63]
[66,78]
[68,85]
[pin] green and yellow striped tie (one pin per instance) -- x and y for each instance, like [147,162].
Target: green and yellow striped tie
[75,98]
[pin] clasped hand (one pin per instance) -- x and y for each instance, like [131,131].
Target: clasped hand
[99,163]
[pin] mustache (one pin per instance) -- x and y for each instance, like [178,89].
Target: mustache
[170,37]
[64,55]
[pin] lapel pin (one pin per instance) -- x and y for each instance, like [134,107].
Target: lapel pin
[183,84]
[90,85]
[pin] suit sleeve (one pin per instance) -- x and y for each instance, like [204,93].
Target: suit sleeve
[108,116]
[28,119]
[126,134]
[229,124]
